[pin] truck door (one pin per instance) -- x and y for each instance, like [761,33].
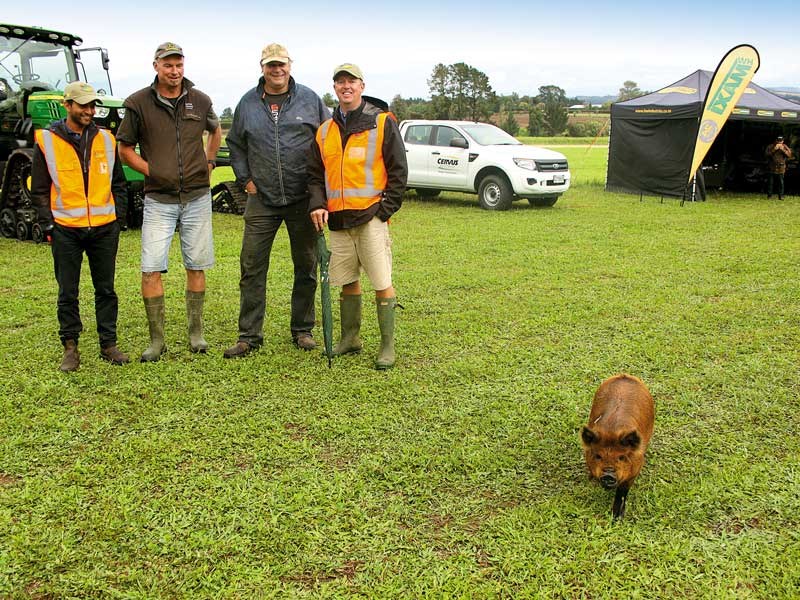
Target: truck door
[417,142]
[448,164]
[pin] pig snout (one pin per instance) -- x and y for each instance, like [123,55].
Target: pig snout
[608,479]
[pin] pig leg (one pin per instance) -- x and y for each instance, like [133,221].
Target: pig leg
[620,498]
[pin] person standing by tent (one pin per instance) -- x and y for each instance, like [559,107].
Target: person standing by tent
[777,155]
[357,176]
[273,126]
[167,120]
[79,191]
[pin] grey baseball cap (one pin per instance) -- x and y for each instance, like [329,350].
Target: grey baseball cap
[168,49]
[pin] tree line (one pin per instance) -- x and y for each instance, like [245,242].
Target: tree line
[462,92]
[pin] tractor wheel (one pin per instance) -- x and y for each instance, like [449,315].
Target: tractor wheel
[19,181]
[37,235]
[8,223]
[135,214]
[23,231]
[229,197]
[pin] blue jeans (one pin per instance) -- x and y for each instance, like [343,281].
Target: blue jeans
[197,239]
[261,224]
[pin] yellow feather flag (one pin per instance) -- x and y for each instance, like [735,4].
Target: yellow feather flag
[730,80]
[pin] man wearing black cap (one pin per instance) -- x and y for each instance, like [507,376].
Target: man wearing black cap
[777,155]
[79,190]
[357,176]
[168,120]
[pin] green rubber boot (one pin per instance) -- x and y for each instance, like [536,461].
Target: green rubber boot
[155,320]
[194,315]
[350,315]
[386,309]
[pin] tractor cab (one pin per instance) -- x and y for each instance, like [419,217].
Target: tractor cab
[35,66]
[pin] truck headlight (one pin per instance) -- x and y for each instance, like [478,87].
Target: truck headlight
[121,113]
[101,112]
[525,163]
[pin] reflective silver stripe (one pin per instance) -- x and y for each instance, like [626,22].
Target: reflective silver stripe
[372,145]
[109,148]
[72,213]
[50,159]
[323,131]
[105,209]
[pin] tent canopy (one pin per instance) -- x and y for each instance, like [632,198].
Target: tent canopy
[652,138]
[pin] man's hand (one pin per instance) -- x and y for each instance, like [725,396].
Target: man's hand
[250,188]
[319,218]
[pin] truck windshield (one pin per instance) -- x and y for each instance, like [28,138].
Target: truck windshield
[489,135]
[28,64]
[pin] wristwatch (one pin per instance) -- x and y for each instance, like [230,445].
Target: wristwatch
[213,163]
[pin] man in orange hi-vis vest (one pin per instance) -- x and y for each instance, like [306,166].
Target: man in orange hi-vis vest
[79,190]
[357,176]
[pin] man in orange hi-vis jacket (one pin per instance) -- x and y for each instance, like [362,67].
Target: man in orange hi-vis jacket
[79,190]
[357,176]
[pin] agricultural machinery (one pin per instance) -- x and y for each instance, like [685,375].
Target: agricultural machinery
[35,66]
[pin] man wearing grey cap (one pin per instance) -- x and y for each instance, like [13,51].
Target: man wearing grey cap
[79,191]
[273,127]
[167,120]
[777,154]
[357,176]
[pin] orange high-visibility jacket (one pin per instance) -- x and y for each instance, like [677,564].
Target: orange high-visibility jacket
[355,176]
[70,204]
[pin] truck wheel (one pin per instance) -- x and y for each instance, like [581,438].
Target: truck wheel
[427,193]
[495,193]
[8,223]
[543,202]
[135,205]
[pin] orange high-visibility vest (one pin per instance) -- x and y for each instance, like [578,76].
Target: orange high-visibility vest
[355,177]
[70,204]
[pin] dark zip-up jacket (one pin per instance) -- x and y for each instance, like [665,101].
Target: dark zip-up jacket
[170,138]
[394,160]
[41,181]
[274,155]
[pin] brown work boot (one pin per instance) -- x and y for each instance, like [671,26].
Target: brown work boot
[304,341]
[72,358]
[238,350]
[114,355]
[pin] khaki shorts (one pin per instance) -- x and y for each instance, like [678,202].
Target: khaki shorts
[366,247]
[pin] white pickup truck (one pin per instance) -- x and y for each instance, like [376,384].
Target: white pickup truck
[463,156]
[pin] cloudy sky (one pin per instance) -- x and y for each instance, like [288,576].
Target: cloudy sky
[587,48]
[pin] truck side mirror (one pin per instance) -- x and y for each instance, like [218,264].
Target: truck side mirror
[104,58]
[459,142]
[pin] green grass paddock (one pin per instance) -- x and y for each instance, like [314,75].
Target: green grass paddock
[459,473]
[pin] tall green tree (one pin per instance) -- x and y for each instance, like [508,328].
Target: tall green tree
[508,123]
[628,91]
[460,91]
[536,121]
[226,114]
[438,84]
[328,100]
[555,108]
[399,106]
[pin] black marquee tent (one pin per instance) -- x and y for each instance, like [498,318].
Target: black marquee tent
[652,140]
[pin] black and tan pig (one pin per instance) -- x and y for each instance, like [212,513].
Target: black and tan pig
[616,437]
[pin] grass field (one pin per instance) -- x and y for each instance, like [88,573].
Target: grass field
[459,473]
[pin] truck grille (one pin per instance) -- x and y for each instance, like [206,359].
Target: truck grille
[548,166]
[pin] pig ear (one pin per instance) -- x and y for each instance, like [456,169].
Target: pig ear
[631,439]
[588,436]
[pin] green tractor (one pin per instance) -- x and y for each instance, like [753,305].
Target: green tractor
[35,66]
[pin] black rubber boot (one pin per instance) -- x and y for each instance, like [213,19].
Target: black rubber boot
[350,314]
[386,310]
[155,320]
[194,315]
